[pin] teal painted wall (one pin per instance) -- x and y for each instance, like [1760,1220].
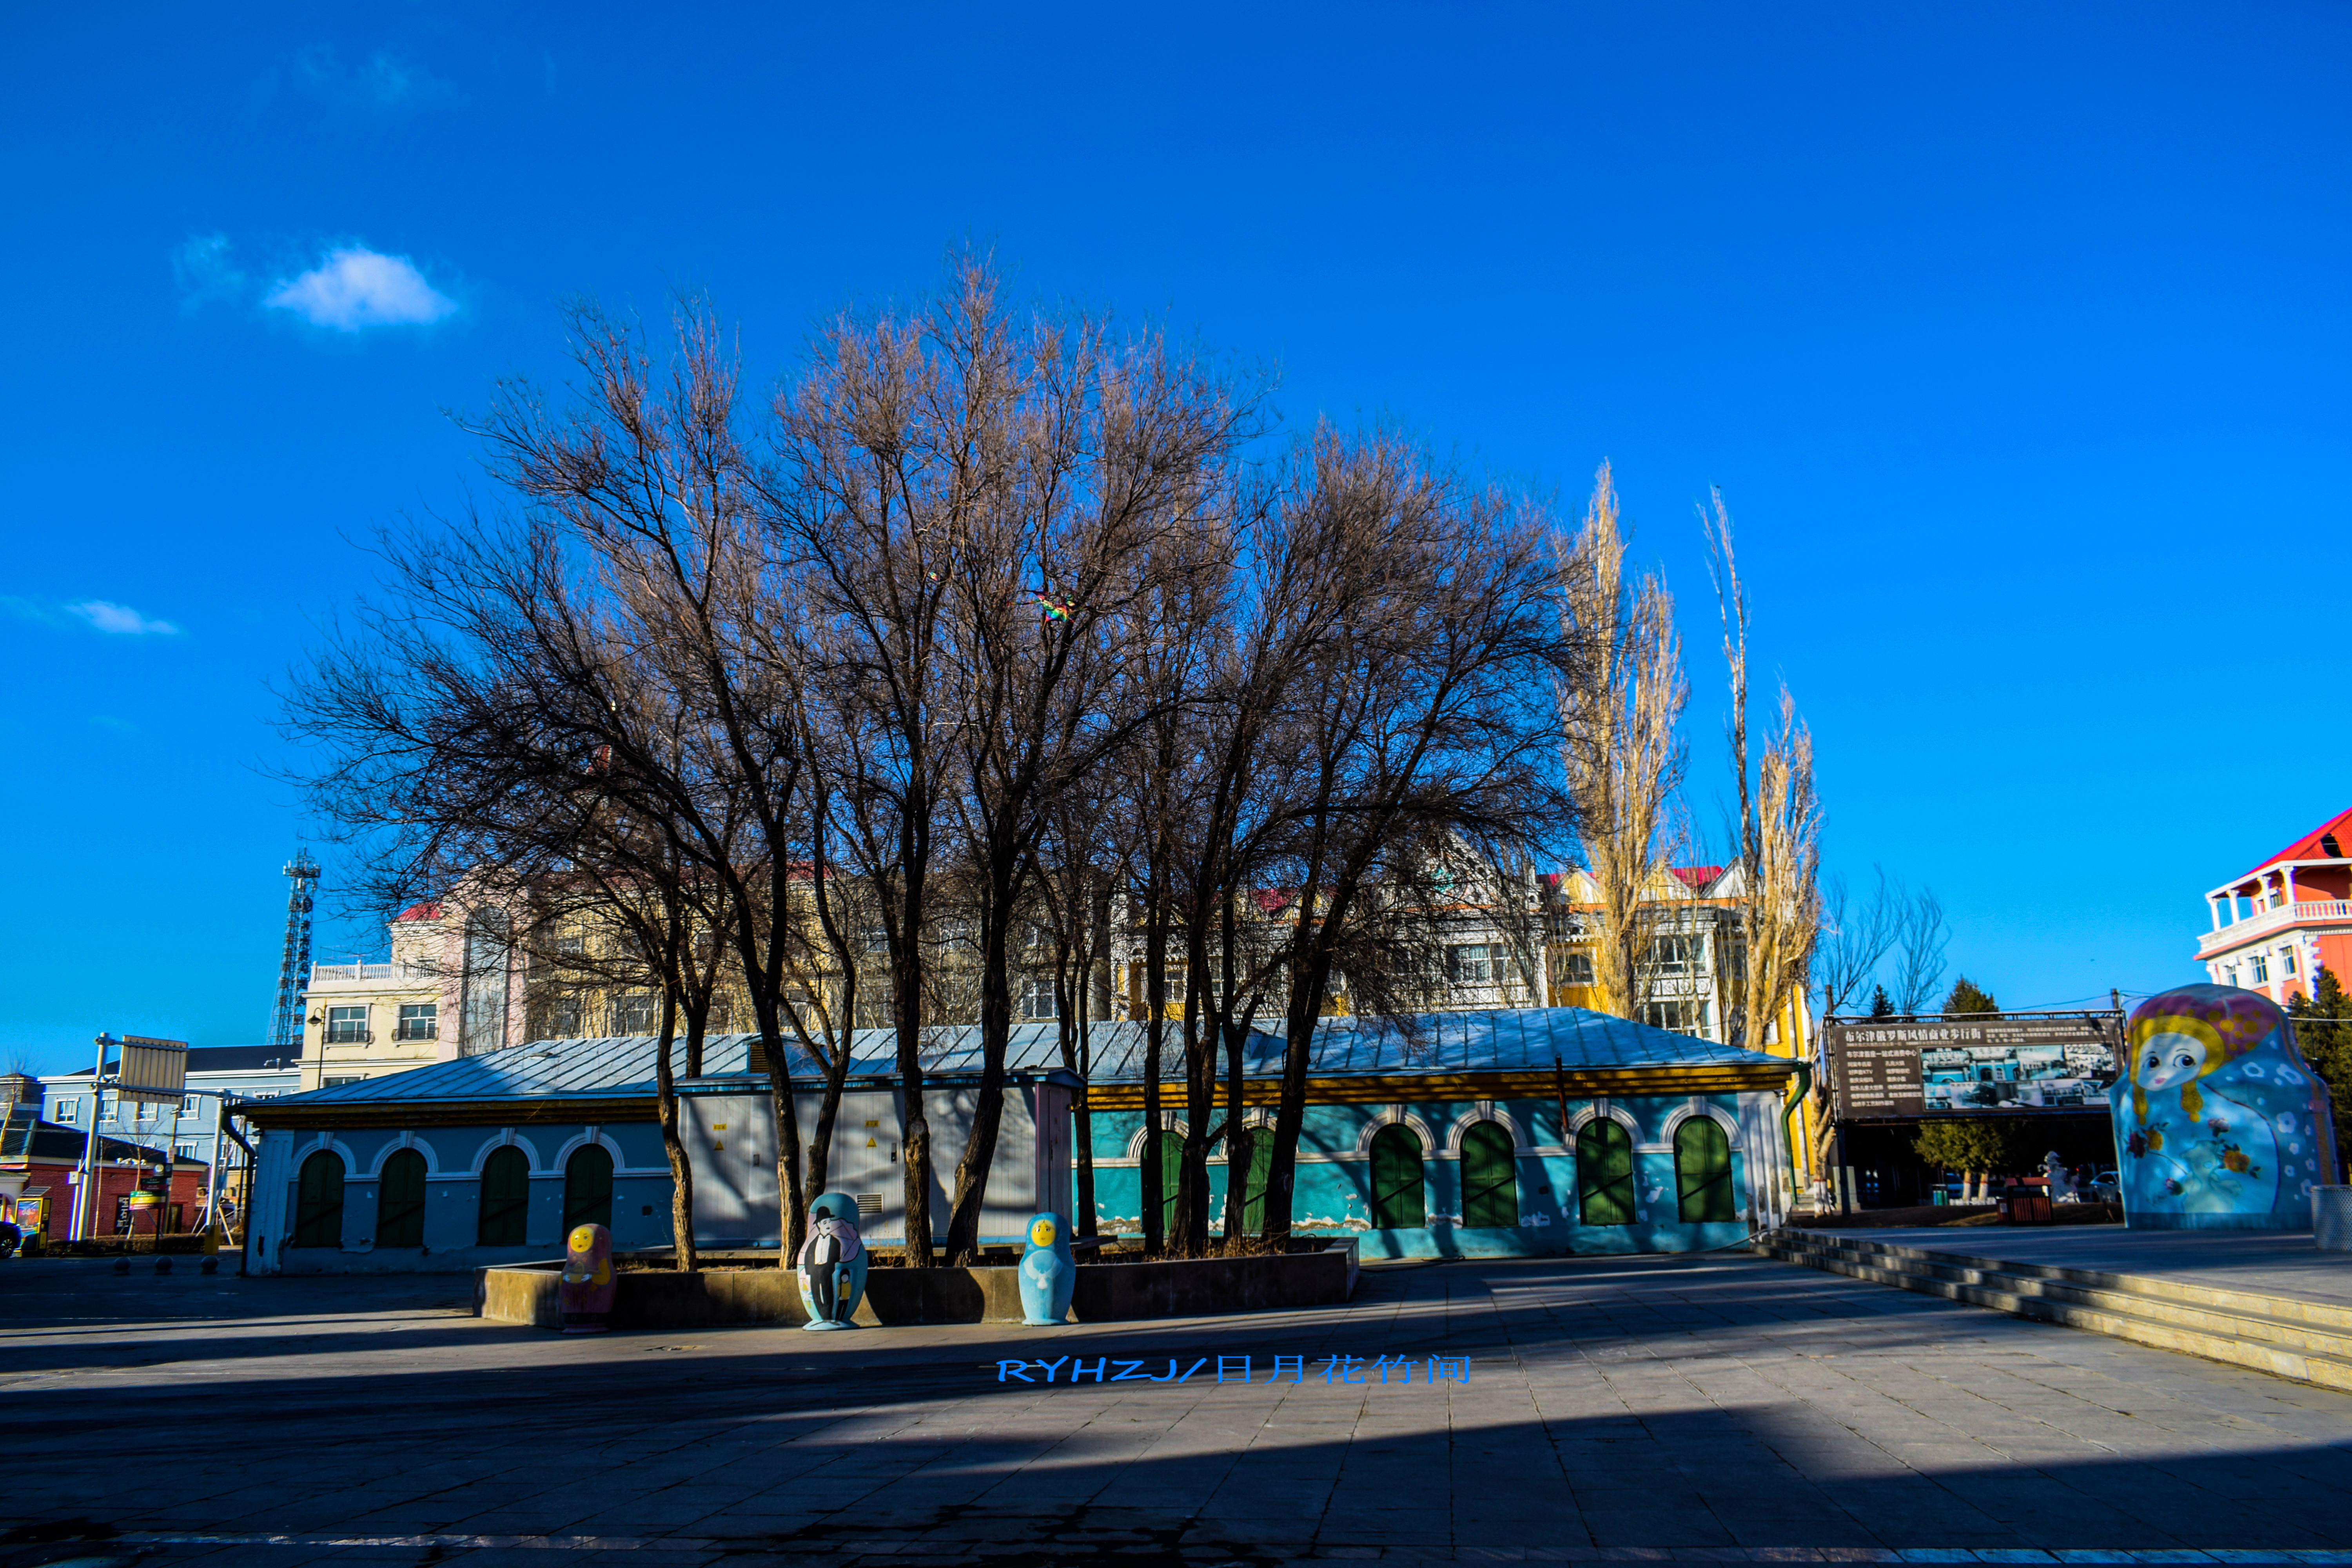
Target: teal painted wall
[1333,1183]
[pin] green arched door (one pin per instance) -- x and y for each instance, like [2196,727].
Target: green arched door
[1490,1178]
[588,1188]
[1166,1150]
[506,1199]
[1703,1171]
[400,1200]
[1397,1200]
[318,1201]
[1261,1166]
[1604,1173]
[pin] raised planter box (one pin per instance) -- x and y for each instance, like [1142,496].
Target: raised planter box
[1108,1292]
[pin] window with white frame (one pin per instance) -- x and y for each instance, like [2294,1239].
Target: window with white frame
[1038,999]
[69,1112]
[1684,1017]
[634,1014]
[1673,955]
[346,1026]
[418,1021]
[2262,968]
[2287,957]
[1474,963]
[1576,967]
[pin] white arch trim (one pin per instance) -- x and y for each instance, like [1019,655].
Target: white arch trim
[508,1135]
[594,1135]
[1136,1145]
[1520,1142]
[1394,1116]
[1697,1107]
[1617,1114]
[352,1167]
[408,1140]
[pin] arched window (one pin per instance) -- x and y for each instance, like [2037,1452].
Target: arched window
[482,1025]
[506,1199]
[588,1187]
[1490,1177]
[1397,1202]
[1604,1173]
[1703,1171]
[400,1200]
[319,1201]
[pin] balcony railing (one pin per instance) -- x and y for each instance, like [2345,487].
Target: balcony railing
[2240,932]
[322,973]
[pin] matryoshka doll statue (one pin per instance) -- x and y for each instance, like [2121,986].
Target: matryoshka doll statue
[585,1287]
[2220,1122]
[1048,1272]
[832,1263]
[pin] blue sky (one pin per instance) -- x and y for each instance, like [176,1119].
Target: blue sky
[2015,337]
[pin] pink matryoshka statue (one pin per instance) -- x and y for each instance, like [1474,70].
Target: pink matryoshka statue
[586,1286]
[2220,1122]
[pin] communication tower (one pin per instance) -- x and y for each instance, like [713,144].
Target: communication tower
[294,964]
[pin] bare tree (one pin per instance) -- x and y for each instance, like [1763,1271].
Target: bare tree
[1618,707]
[1420,717]
[1780,826]
[1921,940]
[1857,935]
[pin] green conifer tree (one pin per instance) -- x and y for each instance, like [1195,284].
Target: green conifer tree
[2323,1027]
[1881,1005]
[1967,997]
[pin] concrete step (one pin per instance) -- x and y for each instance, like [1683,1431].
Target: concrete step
[2315,1328]
[2308,1341]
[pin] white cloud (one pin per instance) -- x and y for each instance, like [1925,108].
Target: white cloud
[386,81]
[356,289]
[121,618]
[205,270]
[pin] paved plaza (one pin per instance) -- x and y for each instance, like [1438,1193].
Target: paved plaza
[1721,1408]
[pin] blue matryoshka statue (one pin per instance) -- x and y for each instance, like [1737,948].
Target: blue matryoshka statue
[2220,1122]
[1048,1272]
[832,1263]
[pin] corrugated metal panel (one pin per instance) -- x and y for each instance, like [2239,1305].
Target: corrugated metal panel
[1518,1039]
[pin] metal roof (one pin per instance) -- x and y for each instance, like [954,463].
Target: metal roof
[1511,1039]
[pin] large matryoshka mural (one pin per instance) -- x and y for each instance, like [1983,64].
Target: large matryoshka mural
[2220,1122]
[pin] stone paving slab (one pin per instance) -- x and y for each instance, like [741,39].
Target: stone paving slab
[1723,1408]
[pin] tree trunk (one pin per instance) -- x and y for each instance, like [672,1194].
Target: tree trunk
[791,1196]
[988,1114]
[1155,1005]
[681,1166]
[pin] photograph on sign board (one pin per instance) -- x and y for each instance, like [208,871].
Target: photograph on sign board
[2012,1077]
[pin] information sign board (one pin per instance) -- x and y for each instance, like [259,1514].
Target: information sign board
[1974,1063]
[151,1069]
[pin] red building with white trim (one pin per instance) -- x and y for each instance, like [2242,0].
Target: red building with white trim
[2276,925]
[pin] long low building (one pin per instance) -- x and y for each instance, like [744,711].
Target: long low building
[1521,1131]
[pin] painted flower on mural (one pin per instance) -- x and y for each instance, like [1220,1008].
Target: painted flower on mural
[2217,1125]
[2137,1145]
[2235,1158]
[2171,1185]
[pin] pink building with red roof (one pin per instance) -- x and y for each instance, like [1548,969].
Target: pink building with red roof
[2276,925]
